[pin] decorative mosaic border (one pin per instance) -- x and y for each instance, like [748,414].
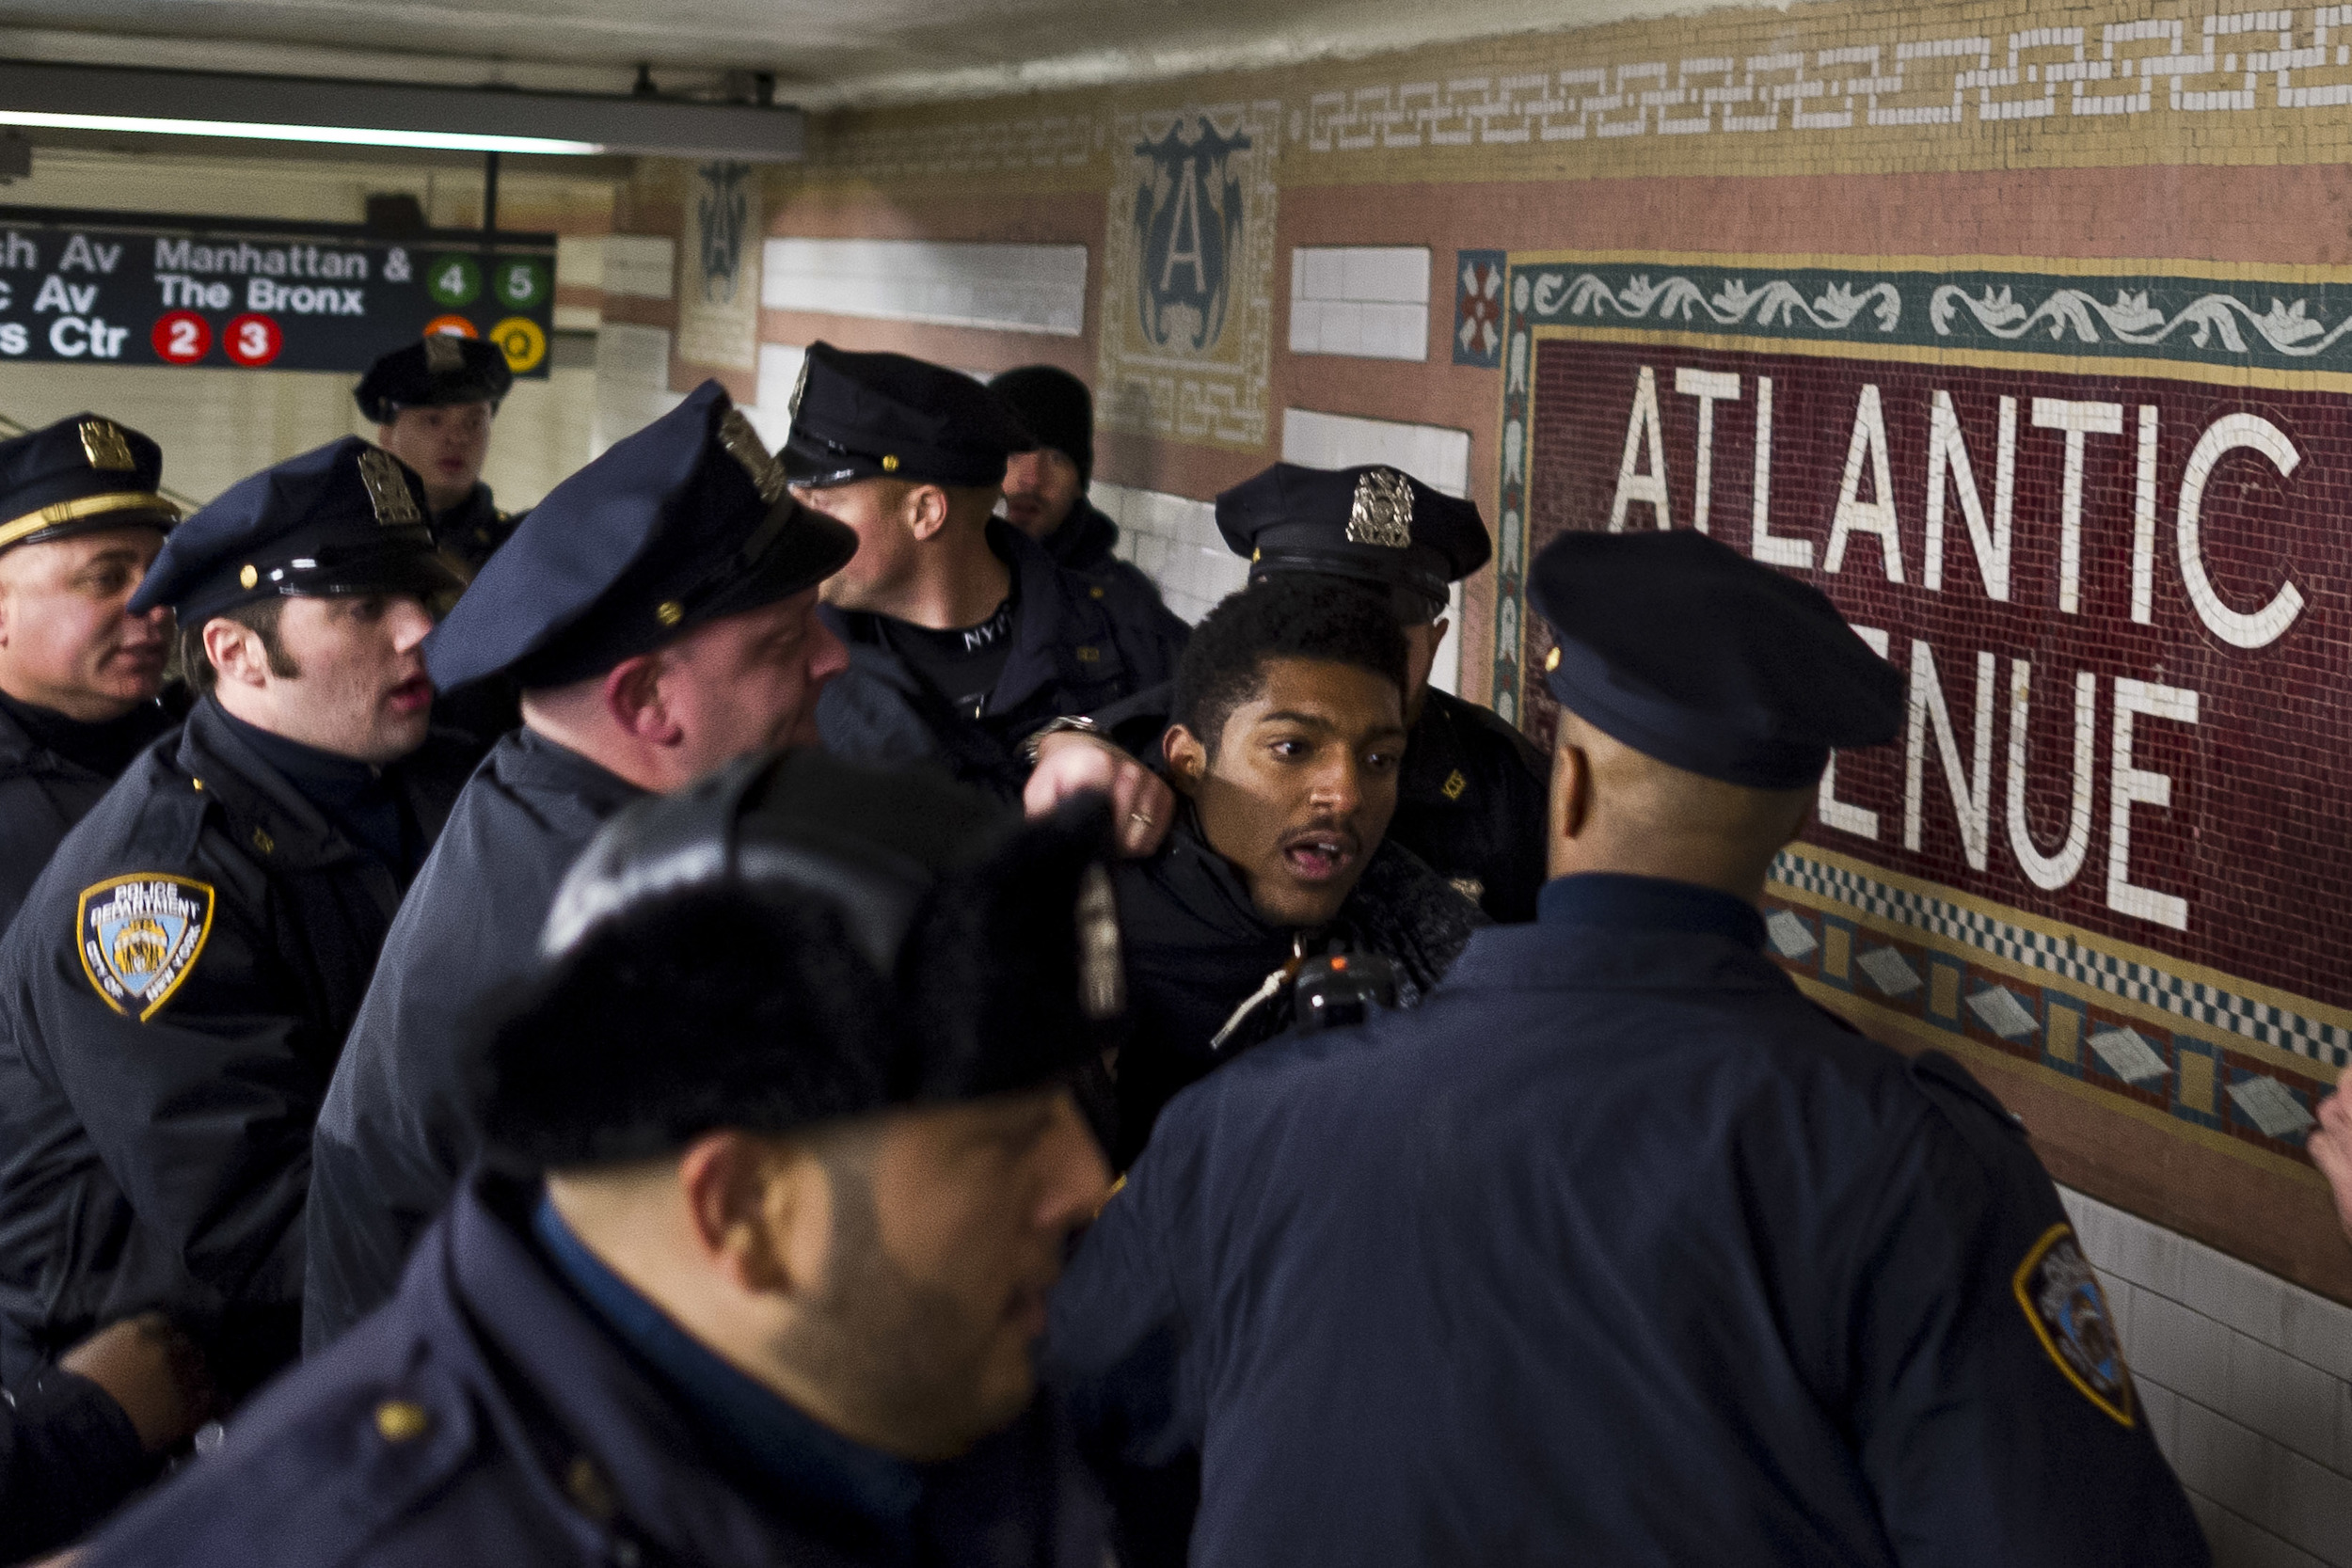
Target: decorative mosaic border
[1936,968]
[2328,1044]
[2306,324]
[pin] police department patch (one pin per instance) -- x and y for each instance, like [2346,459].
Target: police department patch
[2068,1312]
[139,935]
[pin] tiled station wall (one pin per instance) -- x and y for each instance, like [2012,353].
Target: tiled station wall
[1723,267]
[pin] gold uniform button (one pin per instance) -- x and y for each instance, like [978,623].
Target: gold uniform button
[669,613]
[262,842]
[890,463]
[587,1487]
[248,578]
[1095,590]
[1551,659]
[401,1422]
[199,782]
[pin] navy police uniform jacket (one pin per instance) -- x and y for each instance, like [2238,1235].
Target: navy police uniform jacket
[1082,643]
[470,531]
[1618,1250]
[171,1003]
[43,793]
[398,1128]
[1087,543]
[1469,801]
[490,1414]
[67,1457]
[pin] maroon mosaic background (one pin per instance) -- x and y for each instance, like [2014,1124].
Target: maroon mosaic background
[2256,838]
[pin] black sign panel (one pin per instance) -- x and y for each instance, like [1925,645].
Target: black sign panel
[129,289]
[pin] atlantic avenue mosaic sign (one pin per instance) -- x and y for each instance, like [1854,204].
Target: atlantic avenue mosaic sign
[122,289]
[2110,839]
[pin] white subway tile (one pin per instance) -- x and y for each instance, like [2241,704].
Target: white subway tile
[2236,1294]
[2161,1408]
[2313,1507]
[1325,273]
[2318,1331]
[2285,1399]
[2183,1350]
[2239,1543]
[2227,1463]
[1305,326]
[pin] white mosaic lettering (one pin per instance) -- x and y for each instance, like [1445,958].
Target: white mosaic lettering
[2132,786]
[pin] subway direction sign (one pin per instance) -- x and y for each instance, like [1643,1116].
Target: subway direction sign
[129,289]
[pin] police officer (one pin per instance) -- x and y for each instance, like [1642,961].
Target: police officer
[1618,1245]
[658,611]
[81,679]
[965,639]
[1045,490]
[177,986]
[432,404]
[796,1083]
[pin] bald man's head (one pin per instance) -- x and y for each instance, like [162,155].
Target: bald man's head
[1614,809]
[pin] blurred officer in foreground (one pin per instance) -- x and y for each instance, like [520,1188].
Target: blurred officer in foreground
[432,404]
[175,991]
[80,676]
[1045,490]
[659,612]
[80,1436]
[1286,750]
[1619,1247]
[965,639]
[1471,800]
[797,1082]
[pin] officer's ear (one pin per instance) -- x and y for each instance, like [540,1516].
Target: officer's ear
[1187,759]
[761,1211]
[926,510]
[1571,806]
[632,696]
[236,652]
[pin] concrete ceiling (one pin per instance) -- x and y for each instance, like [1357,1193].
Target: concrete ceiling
[822,52]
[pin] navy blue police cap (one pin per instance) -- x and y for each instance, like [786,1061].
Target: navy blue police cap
[681,524]
[1692,654]
[935,945]
[1377,525]
[345,518]
[887,416]
[78,476]
[440,370]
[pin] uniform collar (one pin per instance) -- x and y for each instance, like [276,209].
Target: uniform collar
[1626,903]
[1086,538]
[528,760]
[276,817]
[863,1490]
[102,749]
[1435,758]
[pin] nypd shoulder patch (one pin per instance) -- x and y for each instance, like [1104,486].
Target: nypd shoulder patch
[139,936]
[2069,1314]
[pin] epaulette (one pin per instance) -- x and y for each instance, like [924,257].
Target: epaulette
[1951,1087]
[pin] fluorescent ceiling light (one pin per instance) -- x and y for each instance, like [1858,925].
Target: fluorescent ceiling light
[391,114]
[447,141]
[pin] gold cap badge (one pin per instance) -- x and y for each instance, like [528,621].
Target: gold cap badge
[744,443]
[107,447]
[387,489]
[1383,512]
